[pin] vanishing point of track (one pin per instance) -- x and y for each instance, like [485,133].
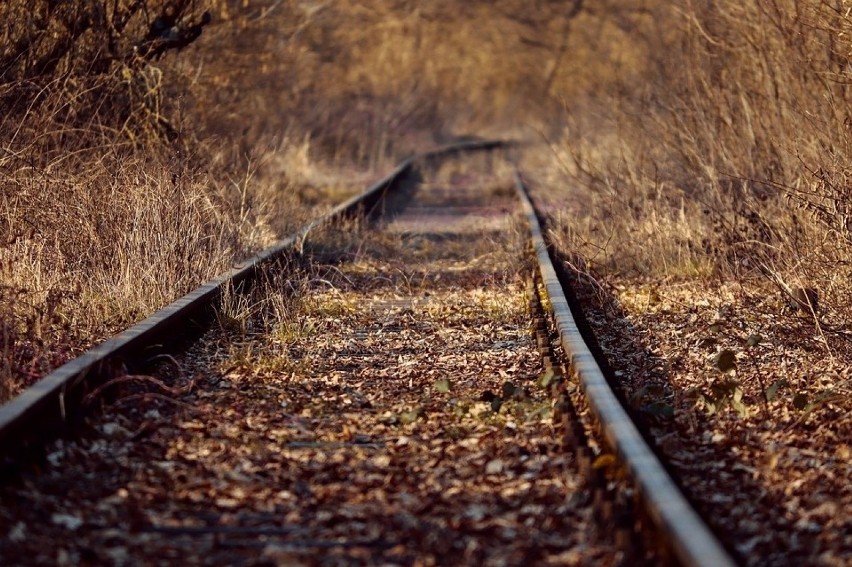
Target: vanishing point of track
[647,512]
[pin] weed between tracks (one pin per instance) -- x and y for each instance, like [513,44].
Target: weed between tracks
[379,440]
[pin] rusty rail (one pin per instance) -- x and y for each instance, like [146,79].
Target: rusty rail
[691,540]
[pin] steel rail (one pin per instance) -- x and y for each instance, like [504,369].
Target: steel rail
[42,411]
[691,540]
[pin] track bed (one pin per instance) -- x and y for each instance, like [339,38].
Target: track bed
[352,421]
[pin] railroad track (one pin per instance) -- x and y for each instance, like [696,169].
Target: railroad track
[405,395]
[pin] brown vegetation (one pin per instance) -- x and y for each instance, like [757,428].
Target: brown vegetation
[704,139]
[723,145]
[703,143]
[111,204]
[707,217]
[131,144]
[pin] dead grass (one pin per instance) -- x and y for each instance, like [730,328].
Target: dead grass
[718,149]
[130,172]
[697,140]
[112,205]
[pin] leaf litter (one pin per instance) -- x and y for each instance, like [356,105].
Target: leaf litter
[758,417]
[367,434]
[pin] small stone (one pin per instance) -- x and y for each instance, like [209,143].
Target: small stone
[494,466]
[18,533]
[67,521]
